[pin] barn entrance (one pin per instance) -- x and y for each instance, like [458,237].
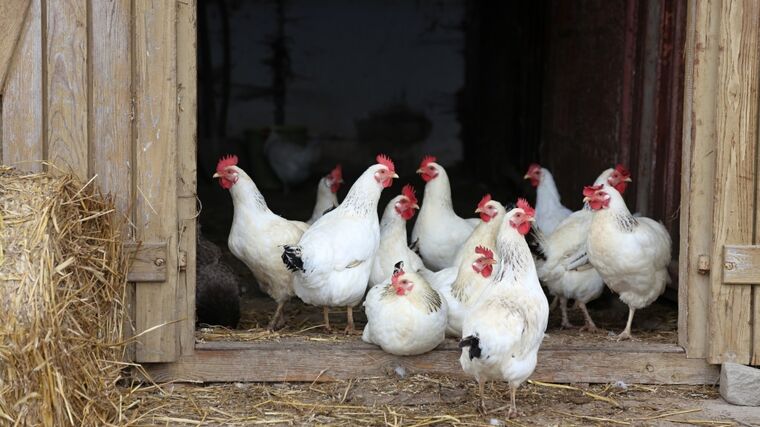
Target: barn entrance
[486,88]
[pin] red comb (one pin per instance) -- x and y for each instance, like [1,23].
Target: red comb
[337,173]
[225,162]
[484,200]
[398,271]
[408,192]
[525,206]
[589,190]
[623,171]
[386,161]
[484,251]
[426,160]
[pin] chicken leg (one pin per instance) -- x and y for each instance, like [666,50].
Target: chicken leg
[563,307]
[626,334]
[350,321]
[326,315]
[553,305]
[278,318]
[589,325]
[513,406]
[481,392]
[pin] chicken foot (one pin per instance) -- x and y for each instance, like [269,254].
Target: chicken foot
[326,316]
[278,318]
[626,334]
[350,322]
[513,412]
[589,325]
[563,307]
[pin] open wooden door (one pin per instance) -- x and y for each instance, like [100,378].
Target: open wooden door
[107,88]
[719,294]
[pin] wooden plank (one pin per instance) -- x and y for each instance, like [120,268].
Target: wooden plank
[110,121]
[22,136]
[737,120]
[12,14]
[155,88]
[66,79]
[741,264]
[187,72]
[340,361]
[147,262]
[698,173]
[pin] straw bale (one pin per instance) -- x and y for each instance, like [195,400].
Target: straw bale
[62,283]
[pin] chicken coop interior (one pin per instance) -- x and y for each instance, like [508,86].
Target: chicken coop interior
[294,87]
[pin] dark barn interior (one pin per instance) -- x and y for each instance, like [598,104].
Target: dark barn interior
[487,87]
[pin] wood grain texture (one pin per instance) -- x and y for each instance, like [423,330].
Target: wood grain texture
[736,136]
[22,128]
[698,172]
[741,264]
[12,16]
[147,262]
[66,59]
[187,72]
[155,81]
[283,361]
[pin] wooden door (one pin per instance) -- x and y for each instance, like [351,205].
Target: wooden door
[720,257]
[106,89]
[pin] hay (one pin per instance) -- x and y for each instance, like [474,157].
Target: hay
[62,283]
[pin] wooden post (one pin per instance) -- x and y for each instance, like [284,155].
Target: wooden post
[12,14]
[736,162]
[698,173]
[155,82]
[187,76]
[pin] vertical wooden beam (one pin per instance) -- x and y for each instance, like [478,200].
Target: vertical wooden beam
[155,81]
[12,14]
[110,111]
[736,126]
[22,99]
[187,72]
[67,85]
[698,172]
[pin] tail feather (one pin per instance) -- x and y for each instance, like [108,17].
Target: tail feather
[473,342]
[291,256]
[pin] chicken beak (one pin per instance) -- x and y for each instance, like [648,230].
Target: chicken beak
[478,210]
[395,175]
[415,206]
[527,176]
[489,261]
[216,175]
[628,179]
[531,219]
[420,170]
[586,199]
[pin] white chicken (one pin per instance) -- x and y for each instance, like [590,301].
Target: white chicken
[333,260]
[393,247]
[406,316]
[257,234]
[291,162]
[504,328]
[566,271]
[630,253]
[473,275]
[549,208]
[485,231]
[327,193]
[439,231]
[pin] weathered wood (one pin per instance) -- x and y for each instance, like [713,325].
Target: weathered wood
[339,361]
[22,107]
[698,172]
[186,168]
[147,262]
[736,137]
[12,14]
[110,122]
[66,77]
[741,264]
[155,86]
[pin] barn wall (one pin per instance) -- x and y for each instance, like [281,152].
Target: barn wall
[83,98]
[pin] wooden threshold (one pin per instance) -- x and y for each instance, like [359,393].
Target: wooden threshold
[307,361]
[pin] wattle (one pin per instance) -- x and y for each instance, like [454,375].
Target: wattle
[485,217]
[621,186]
[427,178]
[487,270]
[598,204]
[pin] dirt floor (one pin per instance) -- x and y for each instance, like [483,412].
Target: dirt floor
[430,400]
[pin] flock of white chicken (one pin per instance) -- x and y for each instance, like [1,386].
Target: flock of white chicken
[475,279]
